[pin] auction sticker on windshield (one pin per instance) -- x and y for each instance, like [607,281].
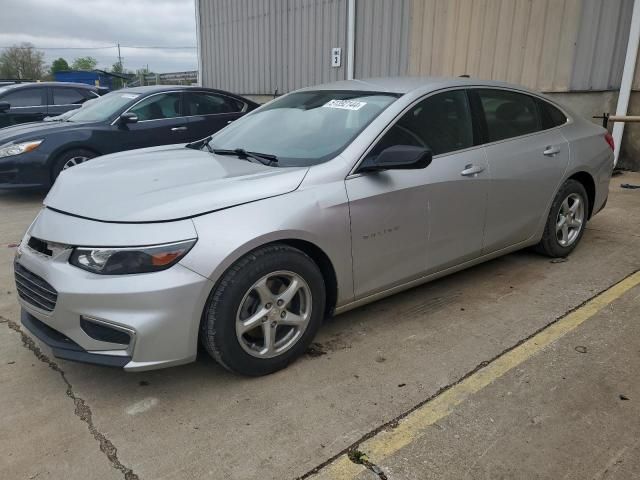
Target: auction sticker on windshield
[345,104]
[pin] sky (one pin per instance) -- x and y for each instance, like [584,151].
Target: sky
[82,24]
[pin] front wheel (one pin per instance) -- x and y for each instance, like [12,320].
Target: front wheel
[70,159]
[264,311]
[566,222]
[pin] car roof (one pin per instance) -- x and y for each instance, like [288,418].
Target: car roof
[48,84]
[404,85]
[162,88]
[145,90]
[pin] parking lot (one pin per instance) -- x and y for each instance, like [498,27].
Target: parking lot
[472,367]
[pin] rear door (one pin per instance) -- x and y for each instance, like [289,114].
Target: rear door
[209,112]
[26,105]
[63,99]
[526,159]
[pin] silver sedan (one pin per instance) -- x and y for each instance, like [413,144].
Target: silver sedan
[318,202]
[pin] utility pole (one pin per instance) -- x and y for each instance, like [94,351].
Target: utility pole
[119,58]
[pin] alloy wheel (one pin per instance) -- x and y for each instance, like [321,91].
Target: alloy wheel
[73,161]
[273,314]
[570,220]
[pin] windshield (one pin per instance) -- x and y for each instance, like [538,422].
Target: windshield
[103,108]
[304,128]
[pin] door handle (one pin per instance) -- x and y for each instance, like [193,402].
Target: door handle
[551,151]
[178,129]
[471,170]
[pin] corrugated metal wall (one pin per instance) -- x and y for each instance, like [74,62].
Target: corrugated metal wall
[549,45]
[382,37]
[256,46]
[601,44]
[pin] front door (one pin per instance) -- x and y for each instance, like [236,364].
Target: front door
[407,223]
[160,122]
[26,105]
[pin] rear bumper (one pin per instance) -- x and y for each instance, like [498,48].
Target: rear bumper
[65,348]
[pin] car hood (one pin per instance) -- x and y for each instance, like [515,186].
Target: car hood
[165,183]
[35,130]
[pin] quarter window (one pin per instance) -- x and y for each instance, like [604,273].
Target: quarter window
[209,104]
[551,116]
[509,114]
[67,96]
[155,107]
[29,97]
[441,123]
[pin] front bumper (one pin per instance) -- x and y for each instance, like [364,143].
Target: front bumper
[27,170]
[65,348]
[160,312]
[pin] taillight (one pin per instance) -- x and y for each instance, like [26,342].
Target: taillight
[609,138]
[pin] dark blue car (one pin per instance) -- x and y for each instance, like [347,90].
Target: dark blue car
[33,154]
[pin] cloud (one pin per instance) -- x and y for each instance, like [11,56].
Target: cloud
[99,23]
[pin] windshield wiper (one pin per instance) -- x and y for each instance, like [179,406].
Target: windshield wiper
[263,158]
[198,144]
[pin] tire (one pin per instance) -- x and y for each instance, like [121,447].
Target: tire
[240,301]
[555,243]
[65,158]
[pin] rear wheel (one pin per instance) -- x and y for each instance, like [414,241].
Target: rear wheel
[265,311]
[70,159]
[566,222]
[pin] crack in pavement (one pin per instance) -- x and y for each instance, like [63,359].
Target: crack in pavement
[359,458]
[82,410]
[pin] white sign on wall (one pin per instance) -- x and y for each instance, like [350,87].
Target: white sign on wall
[336,57]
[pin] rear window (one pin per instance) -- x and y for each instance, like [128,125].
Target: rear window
[200,103]
[509,114]
[67,96]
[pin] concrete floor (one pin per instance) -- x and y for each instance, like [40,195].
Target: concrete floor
[370,366]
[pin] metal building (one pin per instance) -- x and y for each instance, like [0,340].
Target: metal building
[572,48]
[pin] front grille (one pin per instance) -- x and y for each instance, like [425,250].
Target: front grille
[34,290]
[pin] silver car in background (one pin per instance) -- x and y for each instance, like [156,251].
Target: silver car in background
[318,202]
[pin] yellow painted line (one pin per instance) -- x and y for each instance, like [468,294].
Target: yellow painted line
[413,426]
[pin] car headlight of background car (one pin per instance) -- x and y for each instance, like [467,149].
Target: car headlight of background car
[17,148]
[121,261]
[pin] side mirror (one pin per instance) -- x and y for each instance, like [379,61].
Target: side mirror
[400,157]
[127,117]
[4,106]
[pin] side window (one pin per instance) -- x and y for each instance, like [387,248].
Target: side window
[209,104]
[155,107]
[441,123]
[509,114]
[67,96]
[29,97]
[551,116]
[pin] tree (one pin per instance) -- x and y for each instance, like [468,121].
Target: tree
[59,65]
[84,63]
[22,62]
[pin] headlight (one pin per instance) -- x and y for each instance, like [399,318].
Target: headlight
[121,261]
[18,148]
